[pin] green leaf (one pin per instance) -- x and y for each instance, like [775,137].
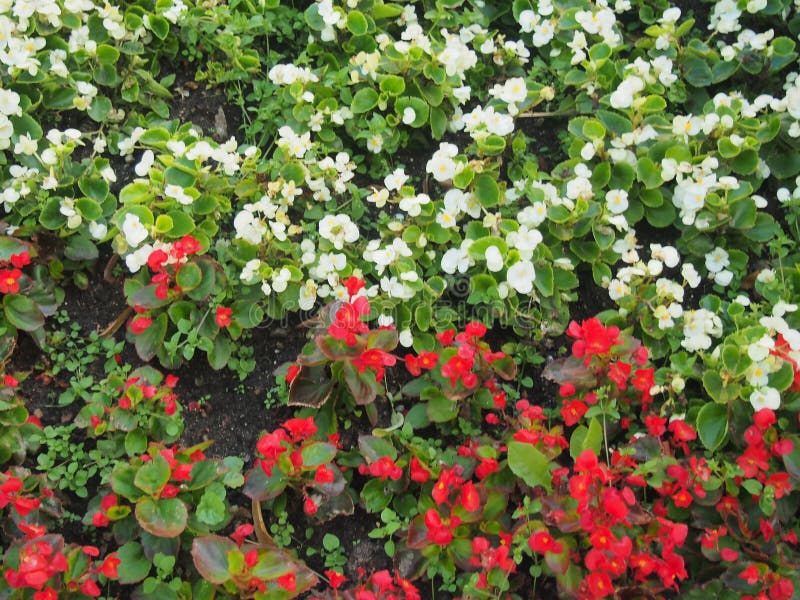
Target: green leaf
[615,122]
[586,438]
[99,109]
[438,123]
[135,442]
[419,106]
[107,55]
[134,565]
[373,448]
[182,224]
[529,464]
[210,556]
[153,475]
[315,454]
[712,425]
[545,280]
[22,312]
[212,509]
[159,26]
[151,339]
[165,517]
[486,190]
[260,487]
[357,23]
[364,100]
[712,383]
[648,173]
[80,248]
[189,276]
[393,85]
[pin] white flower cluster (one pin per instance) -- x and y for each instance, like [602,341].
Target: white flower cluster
[481,122]
[338,230]
[693,184]
[293,144]
[442,165]
[600,22]
[9,107]
[287,74]
[262,221]
[456,57]
[329,174]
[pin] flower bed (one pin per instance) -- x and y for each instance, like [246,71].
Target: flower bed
[529,269]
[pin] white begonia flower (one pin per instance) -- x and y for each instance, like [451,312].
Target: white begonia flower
[759,350]
[9,103]
[97,230]
[250,270]
[138,258]
[441,165]
[527,20]
[521,275]
[579,188]
[178,194]
[623,96]
[494,260]
[307,296]
[405,338]
[142,168]
[280,279]
[618,289]
[395,180]
[758,374]
[765,397]
[665,315]
[543,32]
[691,275]
[455,259]
[666,254]
[338,229]
[723,277]
[133,230]
[526,240]
[766,276]
[716,260]
[413,204]
[378,197]
[617,201]
[409,115]
[781,308]
[655,267]
[26,145]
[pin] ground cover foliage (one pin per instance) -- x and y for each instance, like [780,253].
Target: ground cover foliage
[531,269]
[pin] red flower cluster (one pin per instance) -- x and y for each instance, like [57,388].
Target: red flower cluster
[9,278]
[605,503]
[347,324]
[485,558]
[100,518]
[379,586]
[38,562]
[592,338]
[375,359]
[383,468]
[11,494]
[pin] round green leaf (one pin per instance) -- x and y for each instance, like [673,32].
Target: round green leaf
[165,517]
[189,276]
[22,312]
[486,190]
[365,99]
[712,425]
[357,23]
